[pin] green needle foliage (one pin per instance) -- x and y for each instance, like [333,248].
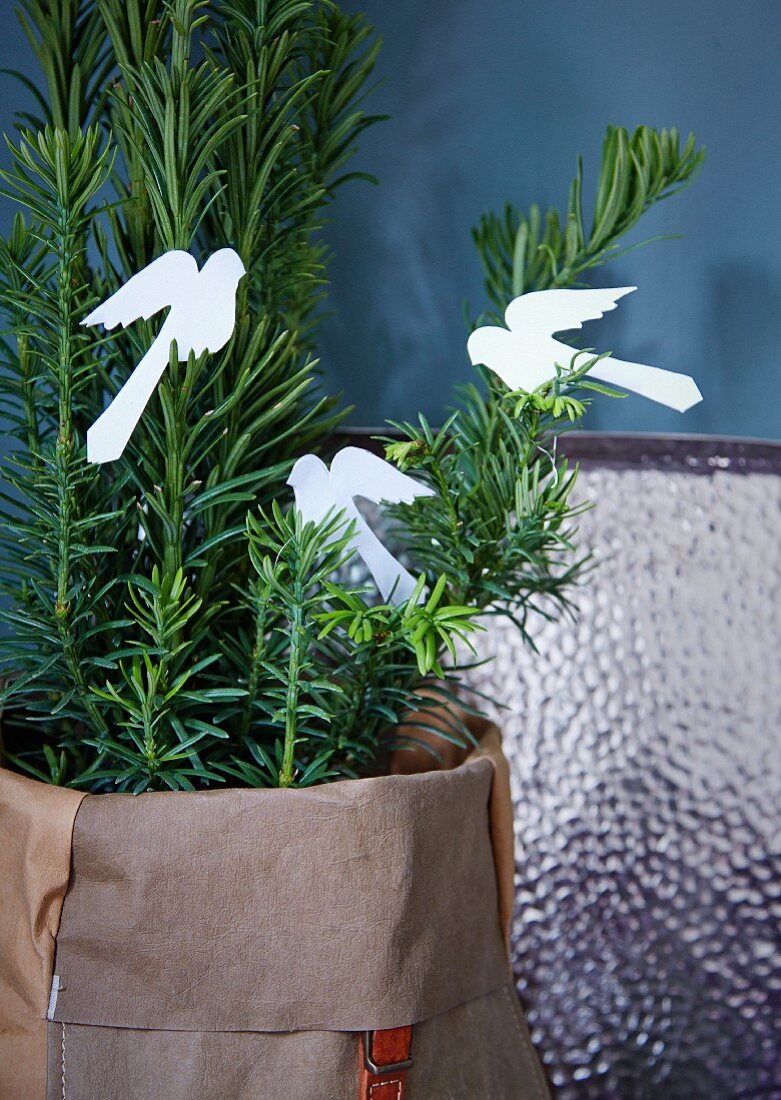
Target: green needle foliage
[203,128]
[502,524]
[171,622]
[522,252]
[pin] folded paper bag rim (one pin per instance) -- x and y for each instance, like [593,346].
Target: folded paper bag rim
[358,905]
[471,783]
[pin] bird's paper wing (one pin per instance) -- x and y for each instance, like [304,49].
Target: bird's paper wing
[356,472]
[168,279]
[543,312]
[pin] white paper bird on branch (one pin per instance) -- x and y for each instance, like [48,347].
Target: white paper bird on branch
[525,354]
[358,473]
[201,318]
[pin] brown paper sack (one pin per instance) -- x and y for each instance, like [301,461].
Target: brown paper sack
[230,944]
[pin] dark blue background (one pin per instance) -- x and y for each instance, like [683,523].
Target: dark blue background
[492,101]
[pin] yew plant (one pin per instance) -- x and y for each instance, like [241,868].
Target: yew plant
[169,620]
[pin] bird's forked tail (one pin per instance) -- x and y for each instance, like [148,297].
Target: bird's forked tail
[108,436]
[677,391]
[390,576]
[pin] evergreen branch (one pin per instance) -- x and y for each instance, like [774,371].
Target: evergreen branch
[294,560]
[522,252]
[141,651]
[57,176]
[207,152]
[71,47]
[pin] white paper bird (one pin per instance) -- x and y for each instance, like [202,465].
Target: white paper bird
[358,473]
[524,355]
[202,317]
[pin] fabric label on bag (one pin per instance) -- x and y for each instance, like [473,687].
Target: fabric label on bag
[53,997]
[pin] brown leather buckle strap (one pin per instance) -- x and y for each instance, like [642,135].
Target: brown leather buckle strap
[385,1058]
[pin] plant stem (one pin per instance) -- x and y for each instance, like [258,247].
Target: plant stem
[64,452]
[258,649]
[359,697]
[28,395]
[298,647]
[173,536]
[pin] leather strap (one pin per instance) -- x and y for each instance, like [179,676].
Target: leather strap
[385,1059]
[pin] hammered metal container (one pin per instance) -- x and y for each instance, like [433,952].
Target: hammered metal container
[644,744]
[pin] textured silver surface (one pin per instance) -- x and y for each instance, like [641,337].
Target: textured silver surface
[643,741]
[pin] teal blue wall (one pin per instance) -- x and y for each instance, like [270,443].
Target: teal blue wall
[492,101]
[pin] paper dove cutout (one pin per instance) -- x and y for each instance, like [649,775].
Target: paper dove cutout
[202,317]
[524,354]
[358,473]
